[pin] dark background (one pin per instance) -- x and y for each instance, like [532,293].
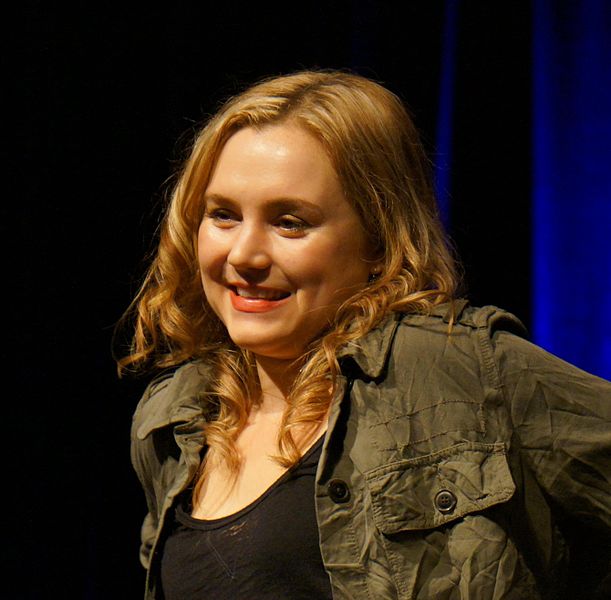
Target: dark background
[103,100]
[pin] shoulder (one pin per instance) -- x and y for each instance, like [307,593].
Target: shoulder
[459,315]
[455,328]
[172,396]
[450,333]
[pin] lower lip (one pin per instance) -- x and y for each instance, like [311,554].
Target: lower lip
[254,305]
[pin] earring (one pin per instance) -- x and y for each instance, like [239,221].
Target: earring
[374,274]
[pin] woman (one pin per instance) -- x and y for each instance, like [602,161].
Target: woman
[333,422]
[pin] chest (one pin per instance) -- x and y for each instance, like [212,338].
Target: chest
[222,491]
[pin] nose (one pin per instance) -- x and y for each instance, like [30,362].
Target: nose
[250,248]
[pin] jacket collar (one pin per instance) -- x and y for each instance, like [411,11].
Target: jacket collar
[179,397]
[371,351]
[172,398]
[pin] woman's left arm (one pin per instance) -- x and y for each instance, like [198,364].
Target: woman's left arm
[561,417]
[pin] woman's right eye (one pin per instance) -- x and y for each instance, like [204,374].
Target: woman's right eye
[221,216]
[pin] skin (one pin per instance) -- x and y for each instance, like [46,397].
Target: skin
[279,249]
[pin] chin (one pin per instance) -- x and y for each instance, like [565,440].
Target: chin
[268,349]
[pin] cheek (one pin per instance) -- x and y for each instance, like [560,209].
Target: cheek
[209,255]
[201,246]
[333,270]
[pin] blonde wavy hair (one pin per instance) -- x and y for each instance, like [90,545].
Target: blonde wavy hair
[376,151]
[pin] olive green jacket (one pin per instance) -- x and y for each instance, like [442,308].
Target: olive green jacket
[453,465]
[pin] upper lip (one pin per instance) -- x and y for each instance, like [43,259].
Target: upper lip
[256,291]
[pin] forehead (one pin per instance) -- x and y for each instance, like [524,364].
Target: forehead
[274,157]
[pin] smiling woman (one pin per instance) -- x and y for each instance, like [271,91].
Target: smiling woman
[335,423]
[280,247]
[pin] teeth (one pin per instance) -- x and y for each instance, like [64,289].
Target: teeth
[260,294]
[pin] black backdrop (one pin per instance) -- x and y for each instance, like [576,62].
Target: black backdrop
[102,101]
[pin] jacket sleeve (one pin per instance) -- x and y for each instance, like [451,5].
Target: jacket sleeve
[150,523]
[561,418]
[143,460]
[164,465]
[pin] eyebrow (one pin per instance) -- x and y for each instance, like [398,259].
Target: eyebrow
[281,203]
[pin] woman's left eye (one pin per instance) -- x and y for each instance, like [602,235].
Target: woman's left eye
[291,224]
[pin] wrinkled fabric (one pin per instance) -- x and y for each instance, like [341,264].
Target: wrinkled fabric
[464,454]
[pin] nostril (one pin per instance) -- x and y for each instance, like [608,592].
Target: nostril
[252,275]
[249,260]
[248,255]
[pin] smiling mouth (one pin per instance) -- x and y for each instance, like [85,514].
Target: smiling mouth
[257,300]
[259,293]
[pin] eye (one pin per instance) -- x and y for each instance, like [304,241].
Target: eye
[291,225]
[221,217]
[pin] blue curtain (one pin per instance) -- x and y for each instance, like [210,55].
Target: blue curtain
[571,291]
[443,142]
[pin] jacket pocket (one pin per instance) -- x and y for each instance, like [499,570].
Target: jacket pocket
[432,490]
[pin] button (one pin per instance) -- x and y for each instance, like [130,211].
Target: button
[338,491]
[445,501]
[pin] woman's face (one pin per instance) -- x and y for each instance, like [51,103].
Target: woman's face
[279,246]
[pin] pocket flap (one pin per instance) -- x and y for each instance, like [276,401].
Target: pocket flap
[428,491]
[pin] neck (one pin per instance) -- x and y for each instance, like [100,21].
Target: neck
[276,378]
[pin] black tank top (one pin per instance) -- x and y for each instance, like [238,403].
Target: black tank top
[269,550]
